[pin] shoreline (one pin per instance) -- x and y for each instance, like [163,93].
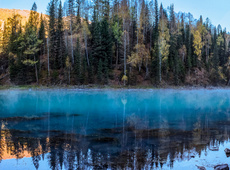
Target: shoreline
[108,87]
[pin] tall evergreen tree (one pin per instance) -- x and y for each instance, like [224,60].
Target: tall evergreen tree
[60,60]
[32,43]
[106,41]
[42,34]
[42,38]
[173,54]
[96,39]
[155,52]
[189,49]
[71,14]
[52,35]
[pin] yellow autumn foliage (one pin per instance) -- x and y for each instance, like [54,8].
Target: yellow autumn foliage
[140,55]
[197,43]
[124,78]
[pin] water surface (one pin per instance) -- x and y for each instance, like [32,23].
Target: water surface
[114,129]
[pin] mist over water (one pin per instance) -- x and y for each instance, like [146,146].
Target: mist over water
[99,129]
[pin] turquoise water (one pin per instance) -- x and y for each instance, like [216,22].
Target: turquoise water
[114,129]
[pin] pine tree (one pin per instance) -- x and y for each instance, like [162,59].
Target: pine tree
[163,42]
[116,30]
[13,38]
[32,49]
[32,44]
[215,66]
[71,13]
[78,14]
[52,35]
[133,31]
[96,40]
[189,49]
[60,39]
[170,48]
[106,41]
[41,35]
[156,24]
[33,18]
[155,53]
[173,53]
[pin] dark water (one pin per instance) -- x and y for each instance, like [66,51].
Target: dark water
[114,129]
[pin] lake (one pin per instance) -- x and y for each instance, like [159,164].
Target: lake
[114,129]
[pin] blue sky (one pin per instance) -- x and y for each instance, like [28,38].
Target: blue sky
[24,4]
[218,11]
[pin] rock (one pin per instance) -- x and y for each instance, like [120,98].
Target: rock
[201,167]
[221,167]
[227,151]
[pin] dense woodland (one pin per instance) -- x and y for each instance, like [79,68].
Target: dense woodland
[114,42]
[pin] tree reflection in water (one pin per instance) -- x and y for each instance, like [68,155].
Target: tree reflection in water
[122,130]
[144,148]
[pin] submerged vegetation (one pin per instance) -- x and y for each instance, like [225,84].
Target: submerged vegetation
[113,42]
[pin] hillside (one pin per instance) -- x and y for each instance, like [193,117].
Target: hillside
[6,13]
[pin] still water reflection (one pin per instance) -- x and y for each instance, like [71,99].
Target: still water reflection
[114,129]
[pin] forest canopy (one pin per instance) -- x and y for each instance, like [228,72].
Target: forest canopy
[114,42]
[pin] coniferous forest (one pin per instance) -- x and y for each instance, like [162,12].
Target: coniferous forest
[113,42]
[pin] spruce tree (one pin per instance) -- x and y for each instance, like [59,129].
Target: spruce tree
[71,14]
[41,35]
[60,39]
[78,14]
[106,38]
[215,61]
[155,52]
[173,50]
[14,37]
[52,35]
[96,40]
[189,49]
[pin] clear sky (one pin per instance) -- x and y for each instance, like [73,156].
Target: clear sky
[218,11]
[25,4]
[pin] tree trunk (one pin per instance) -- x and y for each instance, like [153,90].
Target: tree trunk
[48,56]
[159,68]
[71,32]
[124,49]
[117,57]
[69,74]
[36,70]
[147,69]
